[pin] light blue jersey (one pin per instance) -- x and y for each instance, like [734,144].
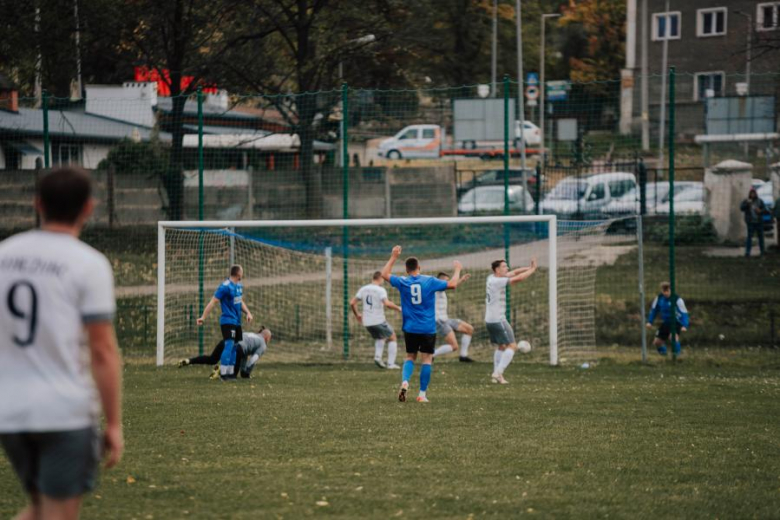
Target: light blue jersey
[418,301]
[230,295]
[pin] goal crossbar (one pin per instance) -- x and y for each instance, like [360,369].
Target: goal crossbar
[551,221]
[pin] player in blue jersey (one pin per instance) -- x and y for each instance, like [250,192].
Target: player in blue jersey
[230,296]
[418,308]
[663,305]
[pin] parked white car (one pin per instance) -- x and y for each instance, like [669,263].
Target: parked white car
[413,142]
[587,195]
[490,199]
[656,194]
[689,201]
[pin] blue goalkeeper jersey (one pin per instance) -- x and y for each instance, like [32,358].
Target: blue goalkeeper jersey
[418,301]
[663,306]
[230,296]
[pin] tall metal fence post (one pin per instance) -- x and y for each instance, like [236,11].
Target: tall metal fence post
[46,151]
[345,209]
[506,185]
[671,209]
[201,260]
[641,276]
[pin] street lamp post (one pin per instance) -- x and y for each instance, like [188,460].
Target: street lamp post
[545,17]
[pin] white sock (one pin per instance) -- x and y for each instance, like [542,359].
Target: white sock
[465,341]
[422,394]
[506,358]
[444,349]
[392,350]
[226,370]
[496,359]
[379,348]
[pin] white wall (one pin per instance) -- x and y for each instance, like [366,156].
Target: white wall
[131,102]
[92,154]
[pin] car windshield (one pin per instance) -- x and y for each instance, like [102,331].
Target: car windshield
[568,190]
[628,196]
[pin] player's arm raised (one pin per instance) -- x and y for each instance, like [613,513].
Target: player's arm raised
[353,306]
[527,272]
[455,280]
[245,310]
[107,373]
[207,310]
[387,270]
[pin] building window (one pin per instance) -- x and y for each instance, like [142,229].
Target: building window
[66,154]
[705,81]
[711,22]
[666,26]
[768,16]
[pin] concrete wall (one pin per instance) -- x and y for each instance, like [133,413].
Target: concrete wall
[725,186]
[242,195]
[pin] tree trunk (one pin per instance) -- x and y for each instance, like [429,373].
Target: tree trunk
[174,177]
[307,106]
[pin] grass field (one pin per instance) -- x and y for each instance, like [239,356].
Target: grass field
[700,439]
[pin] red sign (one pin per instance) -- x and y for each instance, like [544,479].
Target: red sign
[163,81]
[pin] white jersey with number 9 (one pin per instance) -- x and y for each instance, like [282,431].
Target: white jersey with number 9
[51,285]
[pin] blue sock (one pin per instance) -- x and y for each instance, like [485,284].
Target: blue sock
[662,350]
[228,353]
[677,347]
[408,370]
[425,377]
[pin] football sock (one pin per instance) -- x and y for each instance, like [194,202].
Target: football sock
[677,347]
[506,358]
[496,359]
[379,348]
[425,378]
[408,370]
[444,349]
[228,354]
[422,394]
[392,350]
[465,341]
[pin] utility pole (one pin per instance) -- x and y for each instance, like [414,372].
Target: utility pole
[494,51]
[664,59]
[645,102]
[542,93]
[521,99]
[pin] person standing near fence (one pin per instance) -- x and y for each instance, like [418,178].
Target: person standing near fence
[754,209]
[58,352]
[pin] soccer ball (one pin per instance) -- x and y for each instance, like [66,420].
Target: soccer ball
[524,347]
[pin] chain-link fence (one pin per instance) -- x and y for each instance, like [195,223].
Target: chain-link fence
[583,153]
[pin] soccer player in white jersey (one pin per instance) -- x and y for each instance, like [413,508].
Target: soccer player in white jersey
[374,298]
[59,359]
[501,333]
[446,326]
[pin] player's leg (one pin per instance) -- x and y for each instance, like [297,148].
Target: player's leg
[661,337]
[507,339]
[379,344]
[676,345]
[426,370]
[465,340]
[250,362]
[227,359]
[450,344]
[211,359]
[52,508]
[412,347]
[392,351]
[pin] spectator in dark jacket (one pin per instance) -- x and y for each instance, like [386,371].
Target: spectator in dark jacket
[753,208]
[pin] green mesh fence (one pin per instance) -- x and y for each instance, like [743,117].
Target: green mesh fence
[431,153]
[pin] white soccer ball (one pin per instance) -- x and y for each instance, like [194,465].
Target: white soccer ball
[524,347]
[721,337]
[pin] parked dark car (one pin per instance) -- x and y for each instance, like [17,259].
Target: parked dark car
[496,178]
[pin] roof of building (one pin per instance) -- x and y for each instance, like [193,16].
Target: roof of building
[165,104]
[29,122]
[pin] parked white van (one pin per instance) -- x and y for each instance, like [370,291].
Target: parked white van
[413,142]
[587,195]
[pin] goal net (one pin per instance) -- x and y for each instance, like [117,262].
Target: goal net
[300,275]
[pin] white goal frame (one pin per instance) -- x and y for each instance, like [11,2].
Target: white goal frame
[551,220]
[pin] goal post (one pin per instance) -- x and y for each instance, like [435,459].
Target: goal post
[273,262]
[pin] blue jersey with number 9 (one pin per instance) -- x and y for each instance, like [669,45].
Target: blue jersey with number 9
[418,301]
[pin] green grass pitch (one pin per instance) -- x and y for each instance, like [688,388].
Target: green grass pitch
[695,440]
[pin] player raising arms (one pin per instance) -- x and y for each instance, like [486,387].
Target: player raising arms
[374,298]
[446,327]
[501,333]
[56,322]
[230,296]
[418,303]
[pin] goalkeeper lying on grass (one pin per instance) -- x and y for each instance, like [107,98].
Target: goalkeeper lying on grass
[250,349]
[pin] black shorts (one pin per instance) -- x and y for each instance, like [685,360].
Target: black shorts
[232,332]
[425,343]
[664,330]
[59,464]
